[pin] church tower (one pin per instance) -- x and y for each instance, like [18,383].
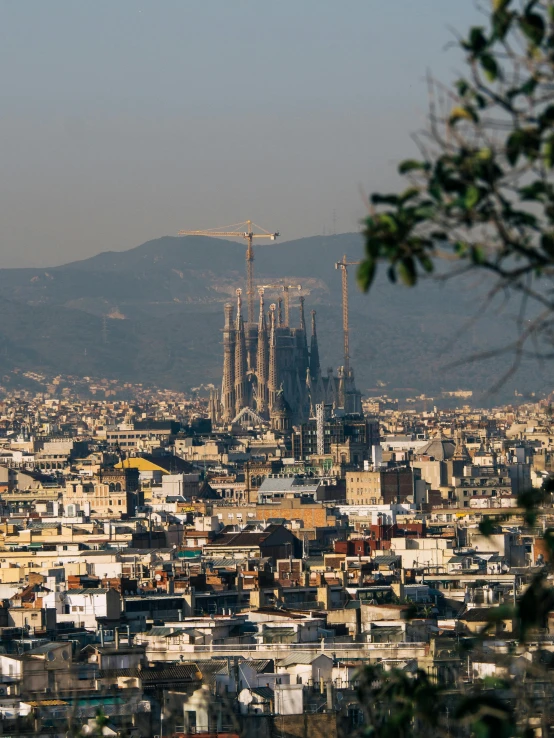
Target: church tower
[262,363]
[228,386]
[315,368]
[273,379]
[241,381]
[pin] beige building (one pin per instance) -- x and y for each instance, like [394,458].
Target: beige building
[102,500]
[379,487]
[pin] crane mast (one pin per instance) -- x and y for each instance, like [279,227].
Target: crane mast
[343,266]
[246,232]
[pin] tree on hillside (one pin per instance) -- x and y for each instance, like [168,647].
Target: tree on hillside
[481,195]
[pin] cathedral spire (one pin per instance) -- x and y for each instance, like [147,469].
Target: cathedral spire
[228,386]
[273,380]
[261,319]
[241,399]
[315,369]
[262,361]
[302,317]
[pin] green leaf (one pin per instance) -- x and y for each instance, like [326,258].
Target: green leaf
[533,191]
[472,197]
[523,141]
[501,22]
[548,538]
[531,143]
[549,152]
[534,605]
[462,86]
[389,223]
[407,271]
[408,194]
[426,263]
[410,165]
[500,5]
[366,274]
[499,613]
[529,87]
[477,41]
[490,66]
[486,526]
[459,112]
[532,25]
[378,199]
[531,499]
[484,154]
[547,117]
[478,255]
[514,146]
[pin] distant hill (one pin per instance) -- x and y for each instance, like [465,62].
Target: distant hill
[154,314]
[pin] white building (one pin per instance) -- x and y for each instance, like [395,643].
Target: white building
[84,606]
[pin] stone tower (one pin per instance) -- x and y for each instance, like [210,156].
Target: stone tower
[262,363]
[241,379]
[228,385]
[273,378]
[315,368]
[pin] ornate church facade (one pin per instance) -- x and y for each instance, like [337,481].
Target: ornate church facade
[272,374]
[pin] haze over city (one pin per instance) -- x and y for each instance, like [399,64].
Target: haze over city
[127,121]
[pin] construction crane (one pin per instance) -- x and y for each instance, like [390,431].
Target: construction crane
[344,264]
[285,288]
[240,230]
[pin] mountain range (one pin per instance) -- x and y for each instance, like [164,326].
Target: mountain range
[154,314]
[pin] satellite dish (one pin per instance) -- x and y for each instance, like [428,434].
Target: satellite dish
[158,577]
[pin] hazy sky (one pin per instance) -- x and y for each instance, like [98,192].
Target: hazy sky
[125,120]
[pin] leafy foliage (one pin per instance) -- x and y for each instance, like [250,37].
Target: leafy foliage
[482,195]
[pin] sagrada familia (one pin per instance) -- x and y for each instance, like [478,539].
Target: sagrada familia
[271,376]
